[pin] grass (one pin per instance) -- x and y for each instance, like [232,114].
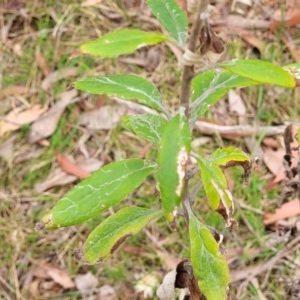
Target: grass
[21,206]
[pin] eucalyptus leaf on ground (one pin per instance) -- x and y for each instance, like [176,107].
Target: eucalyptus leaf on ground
[147,126]
[172,17]
[261,71]
[209,265]
[103,189]
[125,86]
[115,230]
[121,42]
[173,156]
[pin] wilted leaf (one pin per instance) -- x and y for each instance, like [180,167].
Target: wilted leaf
[215,186]
[261,71]
[172,17]
[125,86]
[287,210]
[173,157]
[86,283]
[232,157]
[60,178]
[209,87]
[209,265]
[58,275]
[103,189]
[114,230]
[58,75]
[167,289]
[48,122]
[16,118]
[104,118]
[122,41]
[71,168]
[148,126]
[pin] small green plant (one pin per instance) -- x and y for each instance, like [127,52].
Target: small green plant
[171,135]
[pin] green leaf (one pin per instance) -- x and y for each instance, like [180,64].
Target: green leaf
[121,42]
[103,189]
[115,230]
[261,71]
[225,155]
[172,17]
[209,265]
[147,126]
[172,159]
[125,86]
[209,87]
[215,186]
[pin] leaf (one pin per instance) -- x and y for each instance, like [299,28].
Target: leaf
[147,126]
[231,157]
[113,231]
[209,265]
[17,118]
[173,156]
[261,71]
[209,87]
[215,186]
[103,189]
[172,17]
[125,86]
[46,125]
[121,42]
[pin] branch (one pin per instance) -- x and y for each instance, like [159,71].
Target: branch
[188,71]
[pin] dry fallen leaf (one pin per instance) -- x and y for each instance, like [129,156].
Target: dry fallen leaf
[16,118]
[48,122]
[90,3]
[71,168]
[7,149]
[287,210]
[58,275]
[58,75]
[237,275]
[105,117]
[253,41]
[86,283]
[13,90]
[41,62]
[106,292]
[273,160]
[59,178]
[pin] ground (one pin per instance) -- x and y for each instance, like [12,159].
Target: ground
[40,59]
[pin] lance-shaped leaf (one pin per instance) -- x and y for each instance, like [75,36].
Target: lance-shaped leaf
[231,157]
[147,126]
[121,42]
[209,87]
[113,231]
[125,86]
[173,156]
[209,265]
[261,71]
[172,17]
[215,186]
[103,189]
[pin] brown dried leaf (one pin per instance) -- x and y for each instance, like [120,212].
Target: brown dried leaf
[16,118]
[58,75]
[58,275]
[7,149]
[253,41]
[287,210]
[105,117]
[237,275]
[88,3]
[71,168]
[47,124]
[86,283]
[290,19]
[13,90]
[59,178]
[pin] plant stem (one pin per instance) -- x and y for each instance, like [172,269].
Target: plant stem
[188,71]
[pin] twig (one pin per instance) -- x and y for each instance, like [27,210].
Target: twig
[188,72]
[205,68]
